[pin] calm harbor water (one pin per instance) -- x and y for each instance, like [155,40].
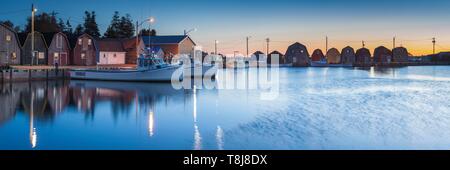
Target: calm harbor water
[317,108]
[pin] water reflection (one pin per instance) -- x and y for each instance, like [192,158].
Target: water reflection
[43,102]
[219,138]
[318,108]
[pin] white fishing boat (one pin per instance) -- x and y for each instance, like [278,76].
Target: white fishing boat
[149,69]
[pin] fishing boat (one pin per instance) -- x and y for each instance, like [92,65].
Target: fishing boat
[149,69]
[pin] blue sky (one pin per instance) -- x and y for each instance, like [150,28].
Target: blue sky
[346,22]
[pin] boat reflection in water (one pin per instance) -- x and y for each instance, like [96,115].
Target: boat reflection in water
[97,114]
[317,108]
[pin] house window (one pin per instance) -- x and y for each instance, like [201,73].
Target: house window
[83,56]
[41,55]
[89,42]
[8,38]
[56,56]
[13,56]
[80,41]
[114,55]
[58,41]
[104,55]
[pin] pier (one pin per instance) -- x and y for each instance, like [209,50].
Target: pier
[39,73]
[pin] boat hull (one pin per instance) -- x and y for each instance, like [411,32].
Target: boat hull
[157,75]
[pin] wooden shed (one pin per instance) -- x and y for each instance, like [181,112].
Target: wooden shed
[85,51]
[400,54]
[382,55]
[333,56]
[297,54]
[317,55]
[58,48]
[129,45]
[172,45]
[110,51]
[258,56]
[9,100]
[40,56]
[348,55]
[10,46]
[363,56]
[276,54]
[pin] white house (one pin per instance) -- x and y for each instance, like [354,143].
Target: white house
[110,51]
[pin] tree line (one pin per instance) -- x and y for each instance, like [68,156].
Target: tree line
[119,27]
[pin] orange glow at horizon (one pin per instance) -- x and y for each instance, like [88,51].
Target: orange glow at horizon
[421,48]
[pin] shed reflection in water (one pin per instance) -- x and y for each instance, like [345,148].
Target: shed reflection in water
[317,108]
[43,102]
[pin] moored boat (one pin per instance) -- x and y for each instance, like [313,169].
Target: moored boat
[149,69]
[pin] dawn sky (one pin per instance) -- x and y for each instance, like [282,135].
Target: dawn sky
[346,22]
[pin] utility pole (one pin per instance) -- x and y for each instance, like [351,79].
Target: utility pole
[268,42]
[434,45]
[137,40]
[247,38]
[326,44]
[215,46]
[363,44]
[33,54]
[393,43]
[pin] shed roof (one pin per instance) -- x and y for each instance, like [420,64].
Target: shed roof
[110,45]
[165,39]
[276,52]
[48,37]
[15,33]
[23,37]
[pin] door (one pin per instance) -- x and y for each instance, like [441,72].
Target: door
[63,59]
[3,58]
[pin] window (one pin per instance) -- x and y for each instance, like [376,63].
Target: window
[13,56]
[56,56]
[114,55]
[80,41]
[41,55]
[89,42]
[104,55]
[83,56]
[58,41]
[8,38]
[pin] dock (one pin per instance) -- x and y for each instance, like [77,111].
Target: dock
[42,73]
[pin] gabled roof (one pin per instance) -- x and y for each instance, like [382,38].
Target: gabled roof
[129,43]
[165,39]
[48,37]
[258,53]
[276,52]
[24,36]
[110,45]
[14,31]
